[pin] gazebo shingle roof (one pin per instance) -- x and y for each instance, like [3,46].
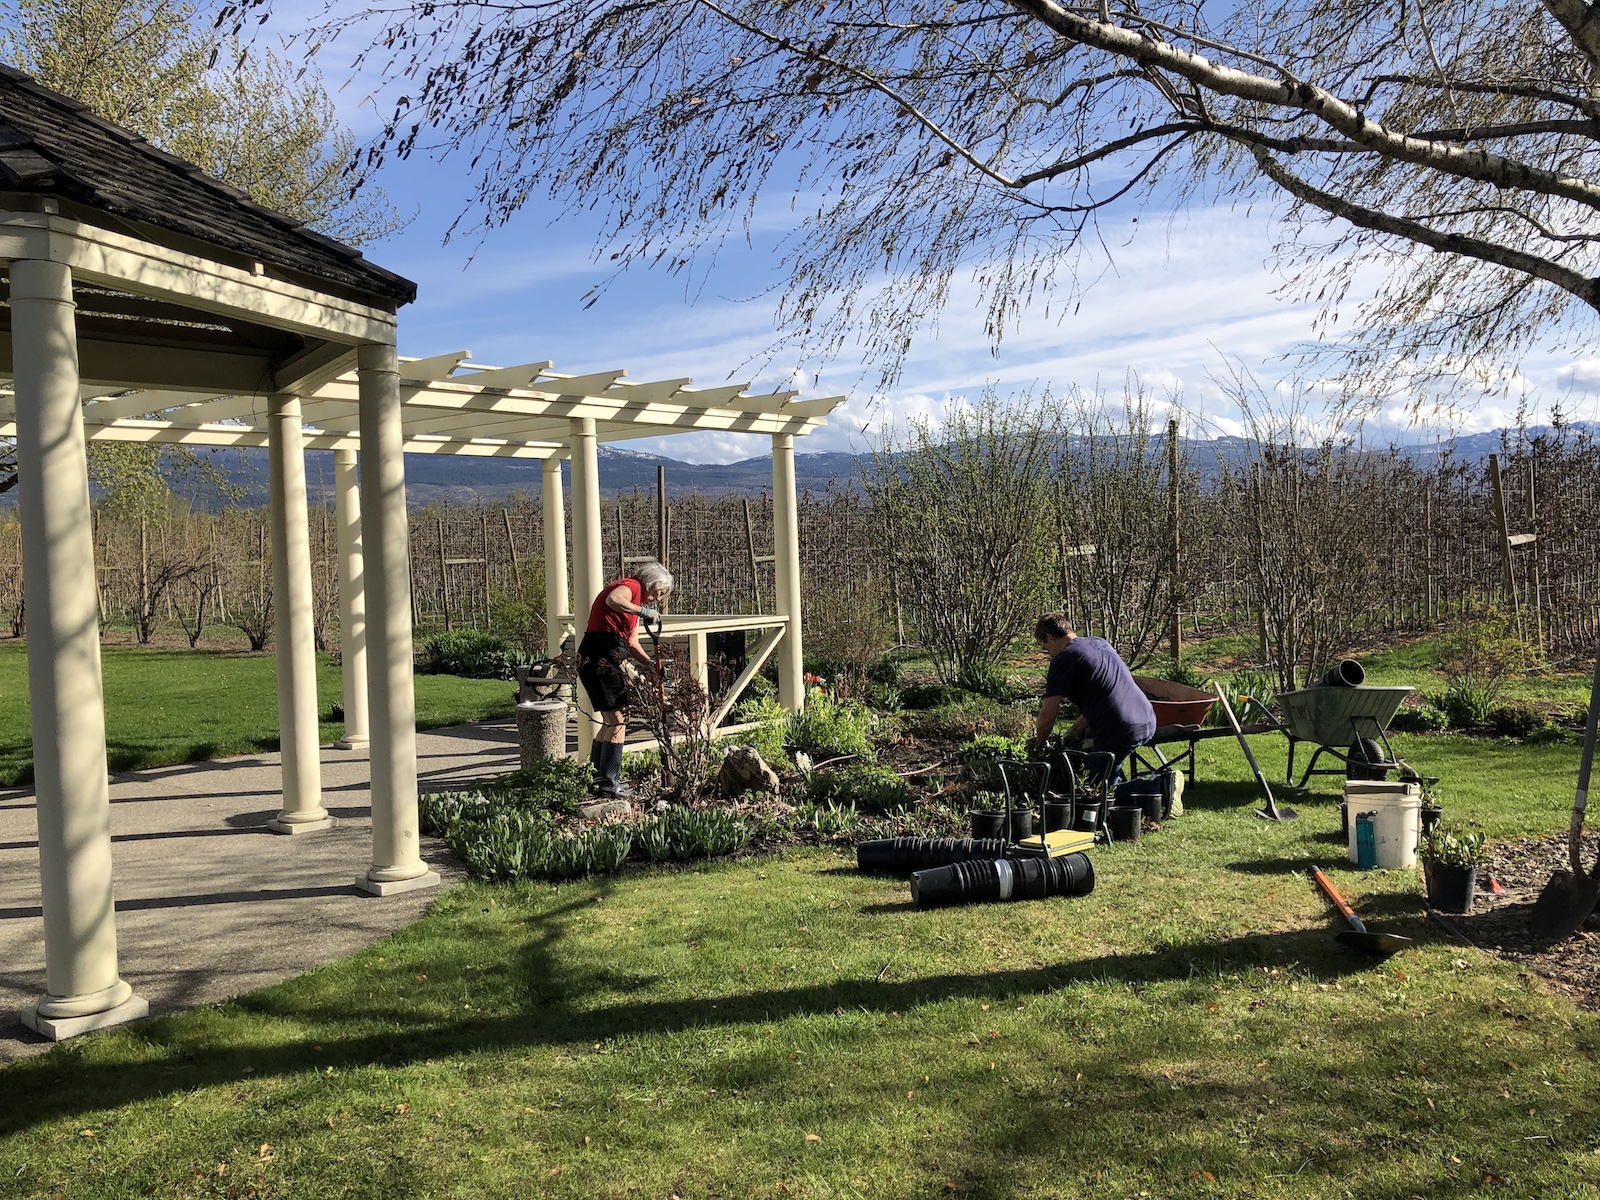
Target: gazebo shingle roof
[53,145]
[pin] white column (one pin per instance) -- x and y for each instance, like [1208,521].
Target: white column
[786,565]
[298,732]
[588,565]
[82,988]
[556,598]
[397,864]
[352,599]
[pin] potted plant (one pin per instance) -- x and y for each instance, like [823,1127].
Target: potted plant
[1431,809]
[1450,862]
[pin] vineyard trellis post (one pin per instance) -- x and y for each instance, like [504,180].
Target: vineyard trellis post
[1174,483]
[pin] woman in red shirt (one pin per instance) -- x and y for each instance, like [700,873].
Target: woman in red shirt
[609,640]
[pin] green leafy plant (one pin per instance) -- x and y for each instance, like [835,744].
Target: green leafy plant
[967,718]
[829,821]
[930,695]
[1423,718]
[557,784]
[978,756]
[982,679]
[1455,848]
[1185,674]
[772,725]
[470,653]
[1478,660]
[829,727]
[1518,719]
[863,785]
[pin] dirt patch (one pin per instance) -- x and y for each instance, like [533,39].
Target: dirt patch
[1500,923]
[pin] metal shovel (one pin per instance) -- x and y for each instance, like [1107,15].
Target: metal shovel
[1271,812]
[1570,896]
[1358,936]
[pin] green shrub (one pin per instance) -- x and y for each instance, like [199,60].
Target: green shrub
[772,721]
[978,756]
[1478,660]
[638,768]
[885,669]
[829,821]
[829,727]
[986,681]
[1458,848]
[470,653]
[1467,703]
[865,786]
[1185,674]
[557,784]
[930,695]
[1518,719]
[1424,718]
[968,718]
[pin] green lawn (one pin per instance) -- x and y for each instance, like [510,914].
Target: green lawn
[789,1028]
[168,706]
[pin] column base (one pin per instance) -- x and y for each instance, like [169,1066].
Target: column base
[59,1029]
[279,825]
[393,887]
[353,743]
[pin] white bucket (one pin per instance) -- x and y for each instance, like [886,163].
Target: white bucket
[1396,820]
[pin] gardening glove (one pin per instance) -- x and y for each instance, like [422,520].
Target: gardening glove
[648,615]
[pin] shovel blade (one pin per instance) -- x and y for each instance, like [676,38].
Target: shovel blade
[1564,905]
[1380,945]
[1277,814]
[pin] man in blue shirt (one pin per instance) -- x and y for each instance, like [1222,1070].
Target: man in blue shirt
[1088,671]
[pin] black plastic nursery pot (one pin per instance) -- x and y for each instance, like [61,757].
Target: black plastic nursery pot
[1058,814]
[987,823]
[1125,821]
[1431,815]
[1451,888]
[902,855]
[1346,673]
[1088,816]
[991,823]
[989,880]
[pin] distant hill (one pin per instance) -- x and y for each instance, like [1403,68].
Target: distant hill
[463,480]
[459,479]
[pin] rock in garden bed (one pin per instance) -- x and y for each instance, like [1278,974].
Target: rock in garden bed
[1500,923]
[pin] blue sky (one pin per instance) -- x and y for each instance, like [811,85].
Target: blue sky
[1183,295]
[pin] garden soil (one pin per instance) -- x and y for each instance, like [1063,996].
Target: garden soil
[1501,923]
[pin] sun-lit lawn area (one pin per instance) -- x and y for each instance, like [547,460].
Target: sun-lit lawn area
[168,706]
[789,1028]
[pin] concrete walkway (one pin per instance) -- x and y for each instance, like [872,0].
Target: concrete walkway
[210,903]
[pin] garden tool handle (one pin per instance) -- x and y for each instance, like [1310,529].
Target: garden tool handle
[651,626]
[1581,800]
[1345,910]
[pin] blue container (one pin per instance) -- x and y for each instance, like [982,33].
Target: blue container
[1366,842]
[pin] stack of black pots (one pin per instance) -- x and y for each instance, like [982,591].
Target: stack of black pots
[980,880]
[902,855]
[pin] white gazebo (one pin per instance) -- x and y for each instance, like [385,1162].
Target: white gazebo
[146,302]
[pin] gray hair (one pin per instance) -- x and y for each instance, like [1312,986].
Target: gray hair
[653,577]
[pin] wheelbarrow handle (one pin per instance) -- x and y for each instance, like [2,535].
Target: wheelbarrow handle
[1345,910]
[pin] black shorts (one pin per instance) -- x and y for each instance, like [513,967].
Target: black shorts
[600,659]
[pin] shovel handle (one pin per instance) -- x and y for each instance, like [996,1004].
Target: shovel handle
[1345,910]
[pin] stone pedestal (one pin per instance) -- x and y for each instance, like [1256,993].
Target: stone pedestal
[541,731]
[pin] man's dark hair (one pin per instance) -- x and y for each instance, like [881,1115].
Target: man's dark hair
[1051,625]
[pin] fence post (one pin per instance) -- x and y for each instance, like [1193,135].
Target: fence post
[1177,560]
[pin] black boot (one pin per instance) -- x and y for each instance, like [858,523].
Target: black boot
[597,764]
[611,772]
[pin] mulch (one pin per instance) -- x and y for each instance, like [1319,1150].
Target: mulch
[1500,923]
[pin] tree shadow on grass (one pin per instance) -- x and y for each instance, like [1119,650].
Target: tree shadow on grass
[560,1001]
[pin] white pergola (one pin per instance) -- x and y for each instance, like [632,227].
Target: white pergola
[144,302]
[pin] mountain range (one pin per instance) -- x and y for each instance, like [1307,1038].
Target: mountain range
[461,480]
